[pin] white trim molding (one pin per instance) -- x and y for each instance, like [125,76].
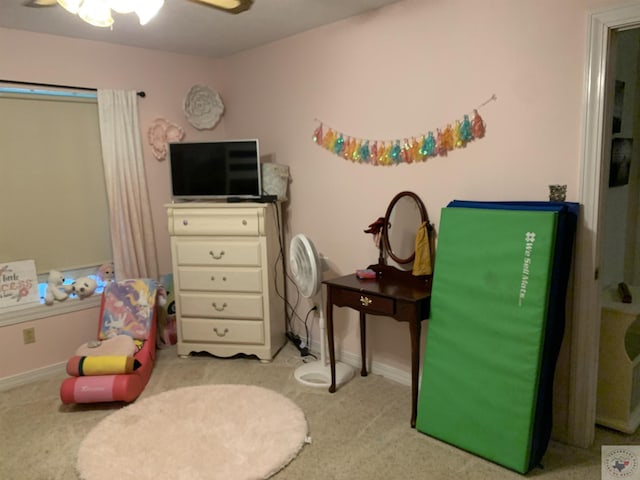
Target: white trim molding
[24,378]
[395,374]
[377,368]
[585,329]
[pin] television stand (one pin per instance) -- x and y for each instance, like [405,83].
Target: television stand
[226,278]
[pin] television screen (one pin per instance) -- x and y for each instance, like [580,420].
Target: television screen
[210,170]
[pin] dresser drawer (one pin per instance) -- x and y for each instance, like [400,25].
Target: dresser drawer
[223,305]
[230,279]
[198,221]
[374,304]
[240,252]
[222,331]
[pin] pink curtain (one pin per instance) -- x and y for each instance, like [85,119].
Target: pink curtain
[132,238]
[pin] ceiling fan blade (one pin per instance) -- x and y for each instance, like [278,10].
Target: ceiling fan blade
[229,6]
[39,3]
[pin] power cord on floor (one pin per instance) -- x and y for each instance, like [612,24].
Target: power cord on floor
[298,342]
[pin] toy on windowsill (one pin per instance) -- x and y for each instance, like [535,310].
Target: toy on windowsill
[55,288]
[106,272]
[84,287]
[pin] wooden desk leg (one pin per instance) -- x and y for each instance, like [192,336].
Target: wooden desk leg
[363,344]
[414,327]
[332,354]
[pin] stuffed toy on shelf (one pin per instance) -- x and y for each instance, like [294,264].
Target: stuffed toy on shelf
[84,287]
[55,288]
[106,272]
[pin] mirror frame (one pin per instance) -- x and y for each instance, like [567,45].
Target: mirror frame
[385,233]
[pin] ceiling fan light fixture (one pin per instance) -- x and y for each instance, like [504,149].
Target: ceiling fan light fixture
[96,13]
[148,9]
[71,6]
[39,3]
[230,6]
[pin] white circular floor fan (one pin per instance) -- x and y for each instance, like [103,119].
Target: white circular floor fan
[306,269]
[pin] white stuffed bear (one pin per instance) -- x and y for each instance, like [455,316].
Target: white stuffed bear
[55,290]
[84,287]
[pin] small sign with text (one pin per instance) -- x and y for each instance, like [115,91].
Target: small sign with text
[18,283]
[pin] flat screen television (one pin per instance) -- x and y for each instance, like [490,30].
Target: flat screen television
[215,170]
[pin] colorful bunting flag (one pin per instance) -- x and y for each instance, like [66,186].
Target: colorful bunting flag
[409,150]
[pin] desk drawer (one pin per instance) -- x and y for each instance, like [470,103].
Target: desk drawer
[366,302]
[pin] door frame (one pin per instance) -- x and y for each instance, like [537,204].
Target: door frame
[585,328]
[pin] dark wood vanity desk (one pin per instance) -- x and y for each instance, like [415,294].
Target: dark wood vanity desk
[394,293]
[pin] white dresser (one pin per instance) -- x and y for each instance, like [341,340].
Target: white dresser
[228,278]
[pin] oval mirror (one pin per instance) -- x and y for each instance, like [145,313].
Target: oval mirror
[405,214]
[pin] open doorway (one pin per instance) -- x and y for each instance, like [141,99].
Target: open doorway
[618,390]
[594,183]
[621,189]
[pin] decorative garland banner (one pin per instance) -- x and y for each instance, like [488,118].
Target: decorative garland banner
[409,150]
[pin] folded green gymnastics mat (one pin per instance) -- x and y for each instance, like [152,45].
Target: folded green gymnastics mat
[568,213]
[485,340]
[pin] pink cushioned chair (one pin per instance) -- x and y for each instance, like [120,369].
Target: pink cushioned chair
[104,370]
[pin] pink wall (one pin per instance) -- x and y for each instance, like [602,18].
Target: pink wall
[166,78]
[56,340]
[406,69]
[400,71]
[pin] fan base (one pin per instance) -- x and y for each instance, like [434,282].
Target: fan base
[314,374]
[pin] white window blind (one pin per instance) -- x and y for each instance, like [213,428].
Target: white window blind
[53,204]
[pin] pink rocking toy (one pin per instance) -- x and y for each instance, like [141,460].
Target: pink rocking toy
[117,366]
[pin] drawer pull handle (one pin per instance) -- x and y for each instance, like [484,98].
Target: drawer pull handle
[226,330]
[219,309]
[213,279]
[185,222]
[216,257]
[244,222]
[365,301]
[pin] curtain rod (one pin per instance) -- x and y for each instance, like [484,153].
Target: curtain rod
[141,94]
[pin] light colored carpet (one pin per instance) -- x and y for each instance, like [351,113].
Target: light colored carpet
[208,432]
[361,432]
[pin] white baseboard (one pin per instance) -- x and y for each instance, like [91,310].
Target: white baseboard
[392,373]
[13,381]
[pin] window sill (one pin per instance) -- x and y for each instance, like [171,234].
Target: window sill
[14,315]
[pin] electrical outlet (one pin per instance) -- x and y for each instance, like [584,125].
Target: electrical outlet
[316,307]
[29,335]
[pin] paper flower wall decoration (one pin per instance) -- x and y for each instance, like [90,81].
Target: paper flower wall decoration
[161,132]
[203,107]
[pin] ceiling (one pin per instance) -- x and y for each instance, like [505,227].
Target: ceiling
[187,27]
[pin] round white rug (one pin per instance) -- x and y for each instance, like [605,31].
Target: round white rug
[206,432]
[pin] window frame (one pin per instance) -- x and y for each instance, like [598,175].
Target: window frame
[33,311]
